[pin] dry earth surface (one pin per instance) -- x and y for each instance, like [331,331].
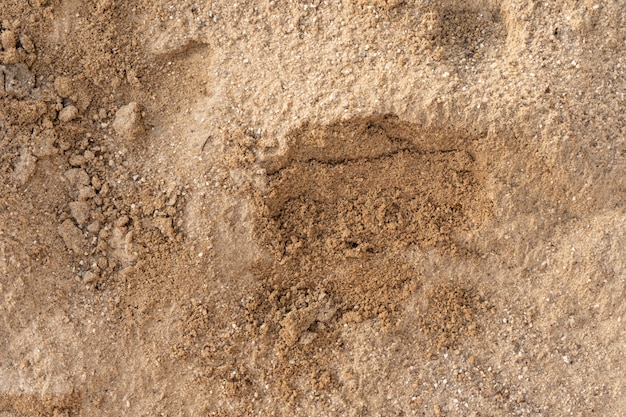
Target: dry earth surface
[312,208]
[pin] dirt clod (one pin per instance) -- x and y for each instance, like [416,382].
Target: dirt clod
[67,114]
[80,211]
[128,121]
[63,87]
[8,40]
[72,237]
[26,167]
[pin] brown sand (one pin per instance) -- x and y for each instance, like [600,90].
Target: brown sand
[359,207]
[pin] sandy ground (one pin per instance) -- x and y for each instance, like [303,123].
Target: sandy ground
[281,208]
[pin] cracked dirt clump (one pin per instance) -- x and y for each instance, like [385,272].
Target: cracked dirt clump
[388,190]
[372,205]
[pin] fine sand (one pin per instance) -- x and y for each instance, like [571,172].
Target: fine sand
[312,208]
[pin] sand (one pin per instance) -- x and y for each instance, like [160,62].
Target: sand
[357,207]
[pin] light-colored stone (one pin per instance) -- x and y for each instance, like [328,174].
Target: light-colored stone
[18,80]
[89,277]
[27,43]
[8,39]
[25,167]
[68,114]
[43,144]
[86,193]
[94,227]
[80,211]
[164,224]
[296,322]
[76,177]
[77,160]
[128,122]
[63,87]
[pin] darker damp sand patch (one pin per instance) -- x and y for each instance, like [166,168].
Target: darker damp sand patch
[348,201]
[370,186]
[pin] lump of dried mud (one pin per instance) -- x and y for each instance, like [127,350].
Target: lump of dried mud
[80,211]
[76,177]
[72,236]
[26,167]
[128,123]
[63,87]
[68,114]
[8,40]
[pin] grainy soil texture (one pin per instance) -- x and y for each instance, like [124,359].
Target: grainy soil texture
[312,208]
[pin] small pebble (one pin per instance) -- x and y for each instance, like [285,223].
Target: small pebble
[85,193]
[27,43]
[68,114]
[63,87]
[128,123]
[8,40]
[77,160]
[89,277]
[80,211]
[96,182]
[94,227]
[102,262]
[122,221]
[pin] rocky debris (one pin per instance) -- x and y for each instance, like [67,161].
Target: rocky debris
[72,236]
[122,244]
[128,122]
[122,221]
[164,224]
[86,193]
[3,258]
[96,182]
[23,112]
[67,114]
[77,160]
[25,167]
[27,44]
[13,52]
[9,53]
